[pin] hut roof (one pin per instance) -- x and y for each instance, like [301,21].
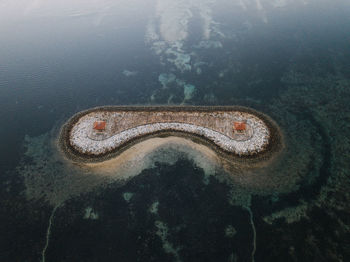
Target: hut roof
[100,125]
[239,126]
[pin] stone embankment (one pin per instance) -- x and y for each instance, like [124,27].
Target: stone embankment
[126,125]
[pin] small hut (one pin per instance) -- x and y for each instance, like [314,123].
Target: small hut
[99,126]
[239,126]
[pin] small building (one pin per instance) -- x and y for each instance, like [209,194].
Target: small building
[239,126]
[99,126]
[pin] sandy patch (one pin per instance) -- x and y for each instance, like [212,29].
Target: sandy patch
[164,150]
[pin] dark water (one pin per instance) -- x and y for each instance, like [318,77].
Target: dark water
[288,59]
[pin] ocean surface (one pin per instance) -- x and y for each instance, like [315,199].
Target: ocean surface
[289,59]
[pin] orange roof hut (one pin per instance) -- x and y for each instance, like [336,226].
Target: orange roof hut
[99,125]
[239,126]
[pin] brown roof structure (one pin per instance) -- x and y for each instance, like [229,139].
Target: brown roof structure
[100,125]
[239,126]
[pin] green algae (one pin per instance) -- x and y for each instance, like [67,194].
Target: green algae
[230,231]
[128,196]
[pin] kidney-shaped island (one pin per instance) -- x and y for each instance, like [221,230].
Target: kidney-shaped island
[101,133]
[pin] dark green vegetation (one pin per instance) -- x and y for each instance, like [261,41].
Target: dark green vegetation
[191,217]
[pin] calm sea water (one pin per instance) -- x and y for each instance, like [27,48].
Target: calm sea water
[288,59]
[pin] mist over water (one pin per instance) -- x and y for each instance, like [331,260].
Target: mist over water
[174,200]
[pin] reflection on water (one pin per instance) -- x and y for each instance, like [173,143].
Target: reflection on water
[288,59]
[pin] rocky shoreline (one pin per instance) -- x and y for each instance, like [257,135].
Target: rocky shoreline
[78,144]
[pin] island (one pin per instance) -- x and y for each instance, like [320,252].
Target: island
[101,133]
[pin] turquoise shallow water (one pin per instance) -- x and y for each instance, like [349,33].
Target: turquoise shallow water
[288,59]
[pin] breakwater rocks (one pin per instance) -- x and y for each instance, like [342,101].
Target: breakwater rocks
[102,133]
